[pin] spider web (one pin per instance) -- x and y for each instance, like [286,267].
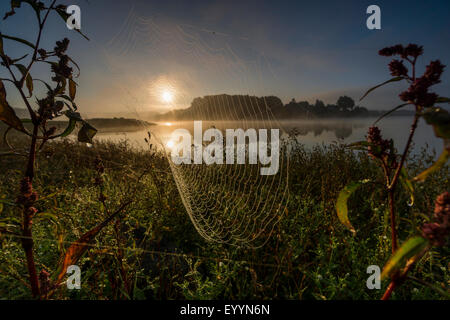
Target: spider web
[230,203]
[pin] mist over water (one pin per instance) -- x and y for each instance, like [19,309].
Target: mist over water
[307,132]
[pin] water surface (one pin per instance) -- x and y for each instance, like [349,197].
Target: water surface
[307,132]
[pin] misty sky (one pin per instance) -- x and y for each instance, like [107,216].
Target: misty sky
[292,49]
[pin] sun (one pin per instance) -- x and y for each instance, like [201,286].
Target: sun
[170,144]
[167,96]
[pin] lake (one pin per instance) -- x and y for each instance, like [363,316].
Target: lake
[307,132]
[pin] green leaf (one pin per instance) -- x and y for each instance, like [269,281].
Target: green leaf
[69,129]
[74,117]
[407,184]
[11,220]
[86,133]
[23,41]
[46,215]
[29,81]
[72,89]
[358,144]
[376,87]
[6,226]
[443,100]
[391,111]
[440,120]
[408,250]
[7,113]
[51,195]
[441,161]
[1,202]
[341,203]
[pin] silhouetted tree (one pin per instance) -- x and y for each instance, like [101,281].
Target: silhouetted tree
[319,104]
[345,103]
[319,107]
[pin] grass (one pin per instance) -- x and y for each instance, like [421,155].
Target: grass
[152,250]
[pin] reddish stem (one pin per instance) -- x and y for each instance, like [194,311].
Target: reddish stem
[387,294]
[391,190]
[393,223]
[27,244]
[27,240]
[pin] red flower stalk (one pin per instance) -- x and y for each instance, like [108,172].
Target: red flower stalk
[398,69]
[412,50]
[27,196]
[433,72]
[377,145]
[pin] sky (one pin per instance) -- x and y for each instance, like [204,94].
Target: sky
[153,56]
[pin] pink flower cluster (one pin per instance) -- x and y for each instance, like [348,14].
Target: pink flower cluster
[438,230]
[418,92]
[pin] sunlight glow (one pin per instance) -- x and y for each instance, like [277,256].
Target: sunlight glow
[167,96]
[170,144]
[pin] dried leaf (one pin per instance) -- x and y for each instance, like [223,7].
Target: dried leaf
[7,113]
[86,133]
[79,247]
[72,89]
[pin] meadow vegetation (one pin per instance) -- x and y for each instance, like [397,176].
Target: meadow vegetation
[151,249]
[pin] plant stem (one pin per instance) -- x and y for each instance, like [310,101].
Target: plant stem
[387,294]
[32,155]
[27,240]
[391,193]
[27,244]
[393,184]
[405,152]
[393,223]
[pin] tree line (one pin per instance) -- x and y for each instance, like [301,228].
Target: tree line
[236,107]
